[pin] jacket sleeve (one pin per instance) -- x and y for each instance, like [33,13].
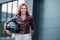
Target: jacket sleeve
[10,20]
[32,25]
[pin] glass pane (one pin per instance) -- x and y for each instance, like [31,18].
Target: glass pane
[9,10]
[14,8]
[4,9]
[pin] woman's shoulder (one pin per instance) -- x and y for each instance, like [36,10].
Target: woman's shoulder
[30,17]
[14,16]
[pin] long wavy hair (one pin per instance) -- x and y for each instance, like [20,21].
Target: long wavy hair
[19,10]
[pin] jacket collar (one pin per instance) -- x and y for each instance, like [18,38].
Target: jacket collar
[19,17]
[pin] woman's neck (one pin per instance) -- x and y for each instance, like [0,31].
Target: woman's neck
[23,15]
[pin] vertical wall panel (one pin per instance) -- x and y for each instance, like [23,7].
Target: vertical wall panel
[51,26]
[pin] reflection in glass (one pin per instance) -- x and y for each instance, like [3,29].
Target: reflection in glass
[9,10]
[4,10]
[14,8]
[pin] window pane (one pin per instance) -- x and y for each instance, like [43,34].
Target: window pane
[4,9]
[9,10]
[14,8]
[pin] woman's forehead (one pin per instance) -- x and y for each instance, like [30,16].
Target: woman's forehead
[23,7]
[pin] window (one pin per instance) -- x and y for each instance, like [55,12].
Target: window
[9,10]
[4,11]
[14,8]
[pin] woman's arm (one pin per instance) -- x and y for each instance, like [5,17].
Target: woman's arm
[32,25]
[5,25]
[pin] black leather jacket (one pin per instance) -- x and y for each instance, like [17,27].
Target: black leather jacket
[24,25]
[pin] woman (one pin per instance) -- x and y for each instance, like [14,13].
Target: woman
[24,21]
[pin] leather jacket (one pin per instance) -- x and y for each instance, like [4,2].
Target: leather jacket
[23,25]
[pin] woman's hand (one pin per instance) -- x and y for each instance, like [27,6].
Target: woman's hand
[8,32]
[31,34]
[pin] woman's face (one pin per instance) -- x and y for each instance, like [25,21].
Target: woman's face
[23,9]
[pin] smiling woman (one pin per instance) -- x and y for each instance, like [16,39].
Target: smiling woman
[24,21]
[8,10]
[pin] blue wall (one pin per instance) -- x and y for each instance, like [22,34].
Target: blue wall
[46,15]
[51,23]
